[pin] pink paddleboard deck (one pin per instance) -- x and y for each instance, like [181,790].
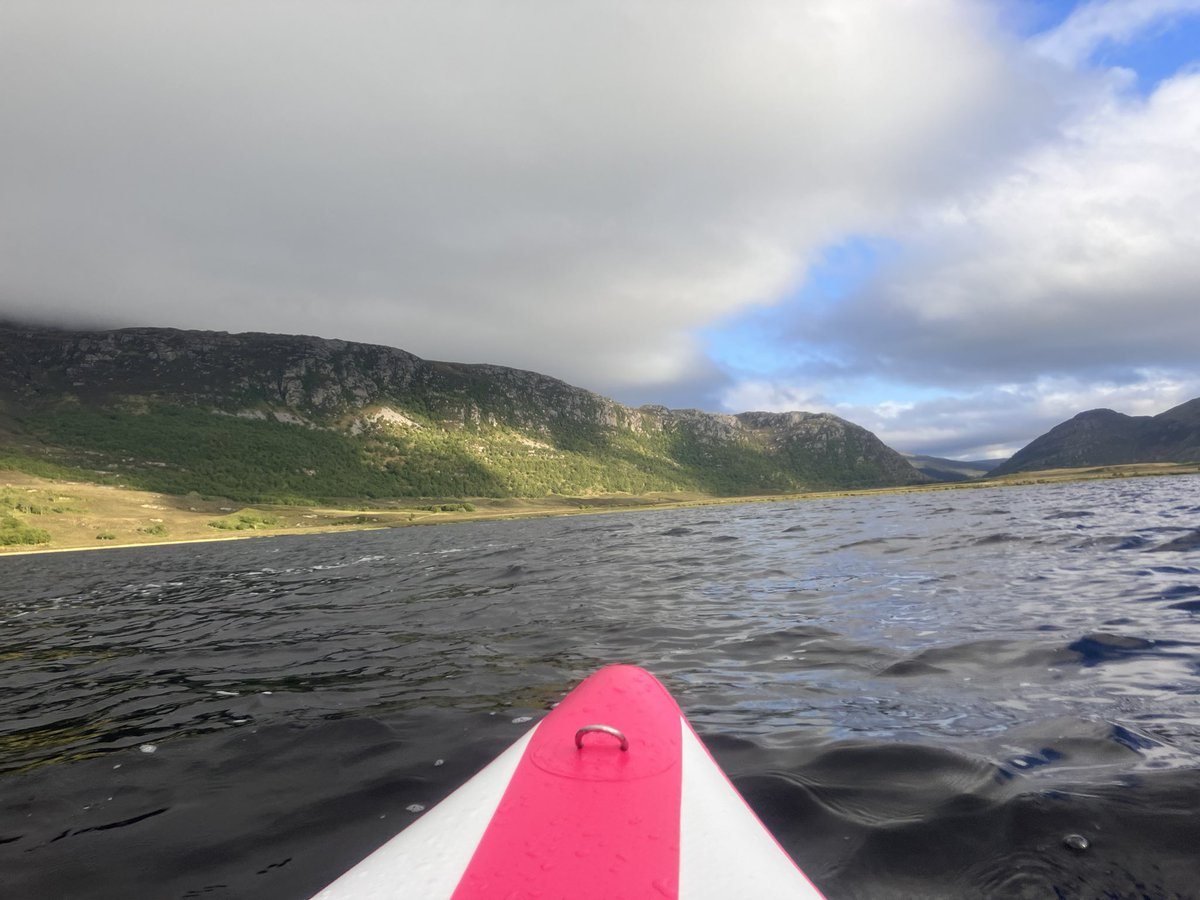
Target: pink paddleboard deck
[566,812]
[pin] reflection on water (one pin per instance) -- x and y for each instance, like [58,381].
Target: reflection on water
[964,693]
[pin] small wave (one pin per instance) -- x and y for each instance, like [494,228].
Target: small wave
[1190,541]
[1133,542]
[1175,592]
[976,656]
[1102,647]
[884,784]
[998,538]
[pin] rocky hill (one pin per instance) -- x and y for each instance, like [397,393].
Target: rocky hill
[279,417]
[1102,437]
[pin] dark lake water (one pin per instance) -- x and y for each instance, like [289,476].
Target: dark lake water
[929,695]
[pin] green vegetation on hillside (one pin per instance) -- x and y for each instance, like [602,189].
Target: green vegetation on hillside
[33,502]
[45,468]
[177,450]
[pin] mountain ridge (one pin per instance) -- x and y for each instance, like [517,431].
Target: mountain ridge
[382,421]
[1104,437]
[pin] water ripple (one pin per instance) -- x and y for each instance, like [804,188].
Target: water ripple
[922,695]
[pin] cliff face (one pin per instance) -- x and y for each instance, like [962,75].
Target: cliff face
[825,448]
[1102,437]
[313,378]
[396,406]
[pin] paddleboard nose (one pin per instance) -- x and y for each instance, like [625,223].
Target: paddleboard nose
[626,699]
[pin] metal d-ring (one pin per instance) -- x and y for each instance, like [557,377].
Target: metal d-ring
[606,729]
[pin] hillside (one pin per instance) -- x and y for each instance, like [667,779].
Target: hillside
[281,418]
[1102,437]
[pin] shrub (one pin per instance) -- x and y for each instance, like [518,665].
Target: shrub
[448,507]
[245,520]
[14,531]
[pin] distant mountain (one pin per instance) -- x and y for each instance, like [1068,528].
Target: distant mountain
[1102,437]
[939,469]
[282,417]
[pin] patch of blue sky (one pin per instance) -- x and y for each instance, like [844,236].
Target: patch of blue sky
[1157,54]
[1154,54]
[748,344]
[844,268]
[763,341]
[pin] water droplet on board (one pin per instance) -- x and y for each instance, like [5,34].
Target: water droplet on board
[148,748]
[1076,842]
[415,808]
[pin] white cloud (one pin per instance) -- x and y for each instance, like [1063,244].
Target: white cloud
[998,421]
[1083,257]
[565,186]
[760,395]
[1066,283]
[988,422]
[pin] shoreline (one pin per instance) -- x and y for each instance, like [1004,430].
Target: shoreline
[78,514]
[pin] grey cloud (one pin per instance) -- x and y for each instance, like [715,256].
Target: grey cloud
[569,187]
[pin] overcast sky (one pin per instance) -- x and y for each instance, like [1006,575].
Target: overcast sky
[955,222]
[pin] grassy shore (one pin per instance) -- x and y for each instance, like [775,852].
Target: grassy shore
[77,515]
